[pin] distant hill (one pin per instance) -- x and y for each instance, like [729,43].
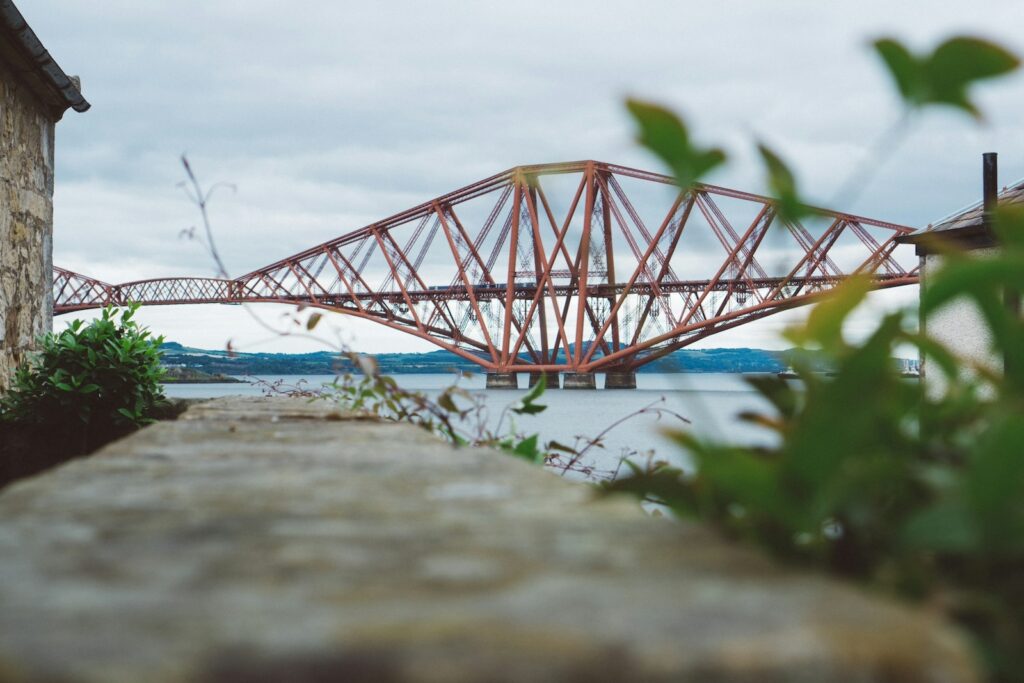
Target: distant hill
[325,362]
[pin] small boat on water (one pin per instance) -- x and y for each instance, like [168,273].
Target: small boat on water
[789,373]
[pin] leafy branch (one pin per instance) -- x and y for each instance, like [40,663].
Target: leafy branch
[873,478]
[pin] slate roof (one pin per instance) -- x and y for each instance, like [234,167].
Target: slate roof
[965,227]
[21,49]
[972,216]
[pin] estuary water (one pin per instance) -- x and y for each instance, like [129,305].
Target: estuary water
[709,401]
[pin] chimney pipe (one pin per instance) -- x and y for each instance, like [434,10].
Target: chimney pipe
[990,199]
[989,188]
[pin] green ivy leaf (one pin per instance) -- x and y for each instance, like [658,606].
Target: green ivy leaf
[527,450]
[1009,226]
[825,322]
[902,65]
[959,62]
[665,134]
[995,478]
[782,185]
[445,401]
[777,391]
[973,277]
[665,485]
[944,76]
[945,526]
[527,405]
[529,409]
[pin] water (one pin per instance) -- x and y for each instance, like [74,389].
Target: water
[709,401]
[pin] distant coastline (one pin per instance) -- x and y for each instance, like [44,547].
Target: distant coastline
[180,359]
[183,375]
[187,365]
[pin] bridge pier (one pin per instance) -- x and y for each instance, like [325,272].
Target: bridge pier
[551,377]
[502,380]
[579,380]
[620,380]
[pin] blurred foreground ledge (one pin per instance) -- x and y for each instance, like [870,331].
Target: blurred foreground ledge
[273,539]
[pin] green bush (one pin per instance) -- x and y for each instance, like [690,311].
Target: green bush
[89,383]
[455,414]
[916,492]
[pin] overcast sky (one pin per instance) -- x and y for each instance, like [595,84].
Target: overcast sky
[327,115]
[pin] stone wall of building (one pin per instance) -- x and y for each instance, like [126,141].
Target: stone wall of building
[26,222]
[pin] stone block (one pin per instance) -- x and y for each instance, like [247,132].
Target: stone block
[620,380]
[579,380]
[551,379]
[502,380]
[274,539]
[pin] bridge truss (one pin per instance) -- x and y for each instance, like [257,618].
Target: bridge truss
[576,267]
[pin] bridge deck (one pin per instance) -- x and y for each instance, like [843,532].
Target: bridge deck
[519,265]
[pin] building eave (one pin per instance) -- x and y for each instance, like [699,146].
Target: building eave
[968,238]
[965,230]
[25,53]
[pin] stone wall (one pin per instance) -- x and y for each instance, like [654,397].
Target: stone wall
[26,222]
[272,539]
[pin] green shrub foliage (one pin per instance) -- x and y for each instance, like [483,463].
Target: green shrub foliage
[910,489]
[875,478]
[455,415]
[89,382]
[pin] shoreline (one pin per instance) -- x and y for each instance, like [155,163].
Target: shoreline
[212,380]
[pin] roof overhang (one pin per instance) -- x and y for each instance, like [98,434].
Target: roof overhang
[967,229]
[21,49]
[970,237]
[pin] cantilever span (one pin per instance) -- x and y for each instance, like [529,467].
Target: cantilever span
[575,267]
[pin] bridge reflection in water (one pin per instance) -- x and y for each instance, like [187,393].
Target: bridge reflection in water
[577,267]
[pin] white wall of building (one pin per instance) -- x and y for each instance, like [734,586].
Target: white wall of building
[959,326]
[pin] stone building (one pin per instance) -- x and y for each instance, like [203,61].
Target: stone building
[959,325]
[34,94]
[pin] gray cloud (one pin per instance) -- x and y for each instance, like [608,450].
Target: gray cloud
[328,115]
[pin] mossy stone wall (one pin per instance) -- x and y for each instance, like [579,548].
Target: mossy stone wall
[26,221]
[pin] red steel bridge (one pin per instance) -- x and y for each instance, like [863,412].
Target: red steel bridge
[574,267]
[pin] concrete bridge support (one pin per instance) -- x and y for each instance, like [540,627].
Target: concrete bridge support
[620,380]
[551,377]
[502,380]
[579,380]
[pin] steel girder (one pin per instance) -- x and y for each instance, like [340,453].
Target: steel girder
[577,267]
